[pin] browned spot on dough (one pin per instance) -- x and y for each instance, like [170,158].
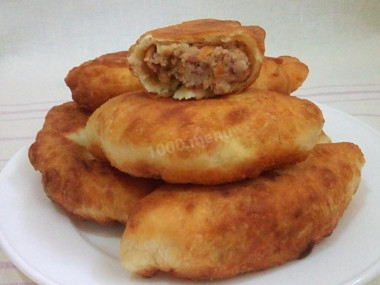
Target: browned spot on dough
[237,116]
[307,250]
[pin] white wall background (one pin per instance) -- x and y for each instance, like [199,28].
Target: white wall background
[41,40]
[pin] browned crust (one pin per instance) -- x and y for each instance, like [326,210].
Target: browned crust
[283,74]
[217,232]
[200,30]
[261,130]
[85,187]
[94,82]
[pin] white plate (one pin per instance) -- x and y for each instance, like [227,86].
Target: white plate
[52,249]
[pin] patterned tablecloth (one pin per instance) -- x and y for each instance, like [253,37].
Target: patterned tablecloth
[39,43]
